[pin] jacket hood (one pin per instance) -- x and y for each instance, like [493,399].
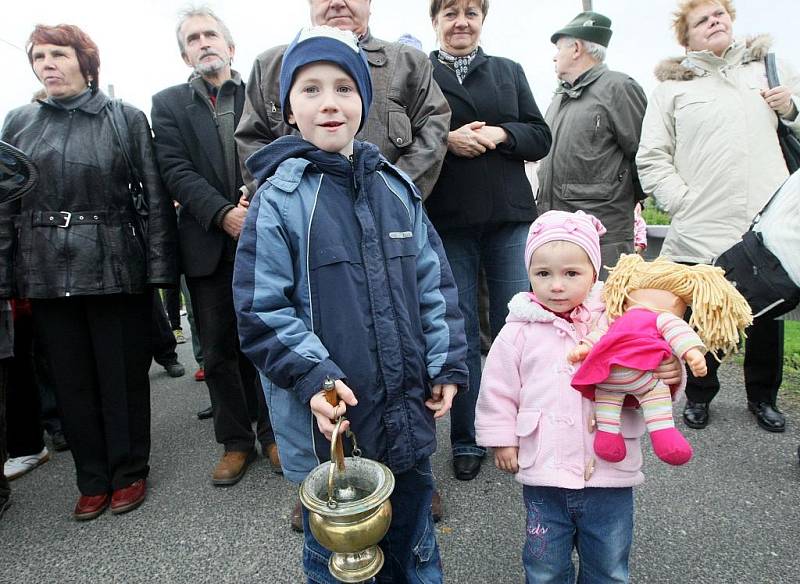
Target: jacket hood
[686,68]
[523,307]
[265,162]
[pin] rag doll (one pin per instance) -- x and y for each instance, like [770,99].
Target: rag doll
[645,303]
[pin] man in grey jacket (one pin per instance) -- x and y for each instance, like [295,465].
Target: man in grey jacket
[409,118]
[595,118]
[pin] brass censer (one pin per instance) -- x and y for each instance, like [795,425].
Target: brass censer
[349,507]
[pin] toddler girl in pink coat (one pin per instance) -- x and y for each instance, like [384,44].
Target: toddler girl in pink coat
[541,429]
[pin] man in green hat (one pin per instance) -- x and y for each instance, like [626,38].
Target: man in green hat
[595,118]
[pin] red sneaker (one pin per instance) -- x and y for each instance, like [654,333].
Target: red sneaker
[128,498]
[90,506]
[200,374]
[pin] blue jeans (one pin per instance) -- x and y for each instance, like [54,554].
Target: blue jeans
[597,522]
[411,554]
[501,251]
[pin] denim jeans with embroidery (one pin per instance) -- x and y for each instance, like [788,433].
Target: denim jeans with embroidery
[411,554]
[598,522]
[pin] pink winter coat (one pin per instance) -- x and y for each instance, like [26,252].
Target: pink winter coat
[526,400]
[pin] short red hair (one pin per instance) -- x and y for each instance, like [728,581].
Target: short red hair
[69,35]
[680,23]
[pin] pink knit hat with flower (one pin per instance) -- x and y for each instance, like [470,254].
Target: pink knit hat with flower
[579,228]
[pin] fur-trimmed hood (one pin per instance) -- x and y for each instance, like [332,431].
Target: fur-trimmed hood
[523,308]
[695,63]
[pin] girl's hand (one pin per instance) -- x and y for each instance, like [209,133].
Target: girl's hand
[505,458]
[494,133]
[441,399]
[326,414]
[670,371]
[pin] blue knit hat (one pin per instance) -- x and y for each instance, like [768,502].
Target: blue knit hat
[326,44]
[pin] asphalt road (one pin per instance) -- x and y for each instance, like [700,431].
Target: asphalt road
[731,515]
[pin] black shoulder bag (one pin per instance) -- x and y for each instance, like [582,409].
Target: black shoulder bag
[135,184]
[758,275]
[790,145]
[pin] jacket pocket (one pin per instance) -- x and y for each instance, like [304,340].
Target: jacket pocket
[399,128]
[529,433]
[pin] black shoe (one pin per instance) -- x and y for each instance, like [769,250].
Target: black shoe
[695,414]
[206,413]
[437,509]
[174,369]
[768,416]
[59,442]
[467,466]
[296,521]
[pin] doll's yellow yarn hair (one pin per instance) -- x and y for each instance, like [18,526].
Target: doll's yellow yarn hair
[719,312]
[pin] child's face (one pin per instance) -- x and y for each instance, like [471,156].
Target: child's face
[561,275]
[326,107]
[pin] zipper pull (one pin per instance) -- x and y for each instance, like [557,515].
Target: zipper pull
[596,124]
[273,107]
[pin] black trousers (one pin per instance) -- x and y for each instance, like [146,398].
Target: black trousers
[230,376]
[763,366]
[5,490]
[23,409]
[172,304]
[99,349]
[164,342]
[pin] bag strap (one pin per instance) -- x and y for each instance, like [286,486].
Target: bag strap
[773,80]
[120,126]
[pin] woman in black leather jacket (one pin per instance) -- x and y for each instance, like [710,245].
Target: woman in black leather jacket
[75,248]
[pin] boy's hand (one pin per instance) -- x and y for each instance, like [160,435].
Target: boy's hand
[578,353]
[505,458]
[441,399]
[669,371]
[696,360]
[326,414]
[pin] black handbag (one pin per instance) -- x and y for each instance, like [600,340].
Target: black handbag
[758,275]
[135,185]
[790,144]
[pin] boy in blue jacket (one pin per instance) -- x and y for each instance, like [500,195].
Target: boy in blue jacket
[340,274]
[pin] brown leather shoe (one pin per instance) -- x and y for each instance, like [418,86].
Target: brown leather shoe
[436,506]
[90,506]
[271,452]
[128,498]
[297,518]
[231,467]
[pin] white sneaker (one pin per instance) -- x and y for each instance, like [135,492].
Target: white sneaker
[18,466]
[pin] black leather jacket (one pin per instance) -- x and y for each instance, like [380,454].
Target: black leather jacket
[75,234]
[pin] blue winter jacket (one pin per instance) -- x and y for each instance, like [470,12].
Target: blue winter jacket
[339,273]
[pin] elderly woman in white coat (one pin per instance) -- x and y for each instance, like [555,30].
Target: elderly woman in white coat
[710,156]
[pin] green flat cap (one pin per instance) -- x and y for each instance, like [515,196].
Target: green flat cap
[588,26]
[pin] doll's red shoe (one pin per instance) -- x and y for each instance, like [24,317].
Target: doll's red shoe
[670,446]
[608,446]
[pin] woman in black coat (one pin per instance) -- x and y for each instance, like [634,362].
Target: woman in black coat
[75,247]
[482,204]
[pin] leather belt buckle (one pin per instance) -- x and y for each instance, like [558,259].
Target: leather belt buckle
[67,218]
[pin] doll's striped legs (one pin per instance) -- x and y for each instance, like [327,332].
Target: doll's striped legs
[608,441]
[668,443]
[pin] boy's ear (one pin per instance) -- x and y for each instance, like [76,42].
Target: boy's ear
[290,117]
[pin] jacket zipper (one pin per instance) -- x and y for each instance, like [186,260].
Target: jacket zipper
[68,271]
[596,125]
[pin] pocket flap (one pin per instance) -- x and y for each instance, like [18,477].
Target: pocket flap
[527,422]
